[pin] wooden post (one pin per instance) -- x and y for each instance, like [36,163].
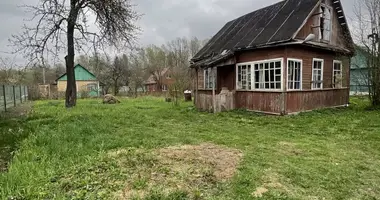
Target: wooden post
[14,97]
[25,93]
[213,90]
[20,94]
[5,99]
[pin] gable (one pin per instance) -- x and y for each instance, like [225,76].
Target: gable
[81,74]
[273,24]
[340,35]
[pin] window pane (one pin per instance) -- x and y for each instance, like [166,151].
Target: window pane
[266,65]
[278,65]
[278,85]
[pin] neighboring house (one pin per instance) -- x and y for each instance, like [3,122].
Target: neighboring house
[166,79]
[85,80]
[359,73]
[286,58]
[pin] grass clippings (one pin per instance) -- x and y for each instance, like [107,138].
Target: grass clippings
[192,170]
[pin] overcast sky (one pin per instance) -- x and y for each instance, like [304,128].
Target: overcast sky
[163,20]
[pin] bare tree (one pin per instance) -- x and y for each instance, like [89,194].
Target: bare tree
[367,35]
[8,71]
[156,63]
[137,71]
[65,23]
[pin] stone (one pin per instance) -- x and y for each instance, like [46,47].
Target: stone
[110,99]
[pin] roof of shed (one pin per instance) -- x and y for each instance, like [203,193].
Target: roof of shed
[273,24]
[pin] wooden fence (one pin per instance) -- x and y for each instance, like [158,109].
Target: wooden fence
[12,95]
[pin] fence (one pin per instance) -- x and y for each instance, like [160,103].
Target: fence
[11,96]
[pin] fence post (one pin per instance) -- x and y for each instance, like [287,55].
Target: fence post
[20,94]
[5,99]
[24,93]
[14,96]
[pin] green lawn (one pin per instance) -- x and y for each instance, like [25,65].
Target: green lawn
[70,154]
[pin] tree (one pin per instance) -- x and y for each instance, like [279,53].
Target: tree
[367,35]
[137,70]
[62,24]
[117,71]
[155,63]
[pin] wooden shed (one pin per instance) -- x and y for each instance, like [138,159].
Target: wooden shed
[286,58]
[85,80]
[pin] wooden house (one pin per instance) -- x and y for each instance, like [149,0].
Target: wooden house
[286,58]
[85,80]
[160,82]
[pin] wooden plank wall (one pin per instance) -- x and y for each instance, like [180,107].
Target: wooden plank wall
[259,101]
[311,100]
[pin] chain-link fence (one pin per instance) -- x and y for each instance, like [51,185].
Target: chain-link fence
[12,95]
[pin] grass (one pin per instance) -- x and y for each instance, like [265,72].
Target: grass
[327,154]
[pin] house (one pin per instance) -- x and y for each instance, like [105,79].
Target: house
[160,82]
[86,82]
[286,58]
[359,72]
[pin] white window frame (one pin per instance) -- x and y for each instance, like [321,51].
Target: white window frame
[206,79]
[301,75]
[312,73]
[253,85]
[164,88]
[237,76]
[341,73]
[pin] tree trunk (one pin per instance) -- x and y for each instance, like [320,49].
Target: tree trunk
[71,88]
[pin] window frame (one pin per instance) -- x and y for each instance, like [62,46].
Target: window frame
[323,4]
[301,75]
[237,76]
[213,72]
[252,63]
[341,73]
[312,73]
[164,88]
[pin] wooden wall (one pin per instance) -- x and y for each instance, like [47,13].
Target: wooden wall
[312,26]
[270,102]
[306,54]
[311,100]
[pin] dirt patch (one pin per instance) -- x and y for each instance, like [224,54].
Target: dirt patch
[271,181]
[190,170]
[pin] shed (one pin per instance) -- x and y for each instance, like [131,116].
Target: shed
[85,80]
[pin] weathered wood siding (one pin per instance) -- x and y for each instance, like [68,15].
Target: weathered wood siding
[261,54]
[312,26]
[269,102]
[311,100]
[306,54]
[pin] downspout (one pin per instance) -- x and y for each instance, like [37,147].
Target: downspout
[196,87]
[213,89]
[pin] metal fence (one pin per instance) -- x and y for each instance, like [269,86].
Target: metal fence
[12,95]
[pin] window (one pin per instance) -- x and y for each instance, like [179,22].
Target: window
[268,74]
[210,79]
[168,76]
[164,88]
[92,87]
[294,74]
[244,79]
[325,22]
[337,74]
[317,73]
[260,75]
